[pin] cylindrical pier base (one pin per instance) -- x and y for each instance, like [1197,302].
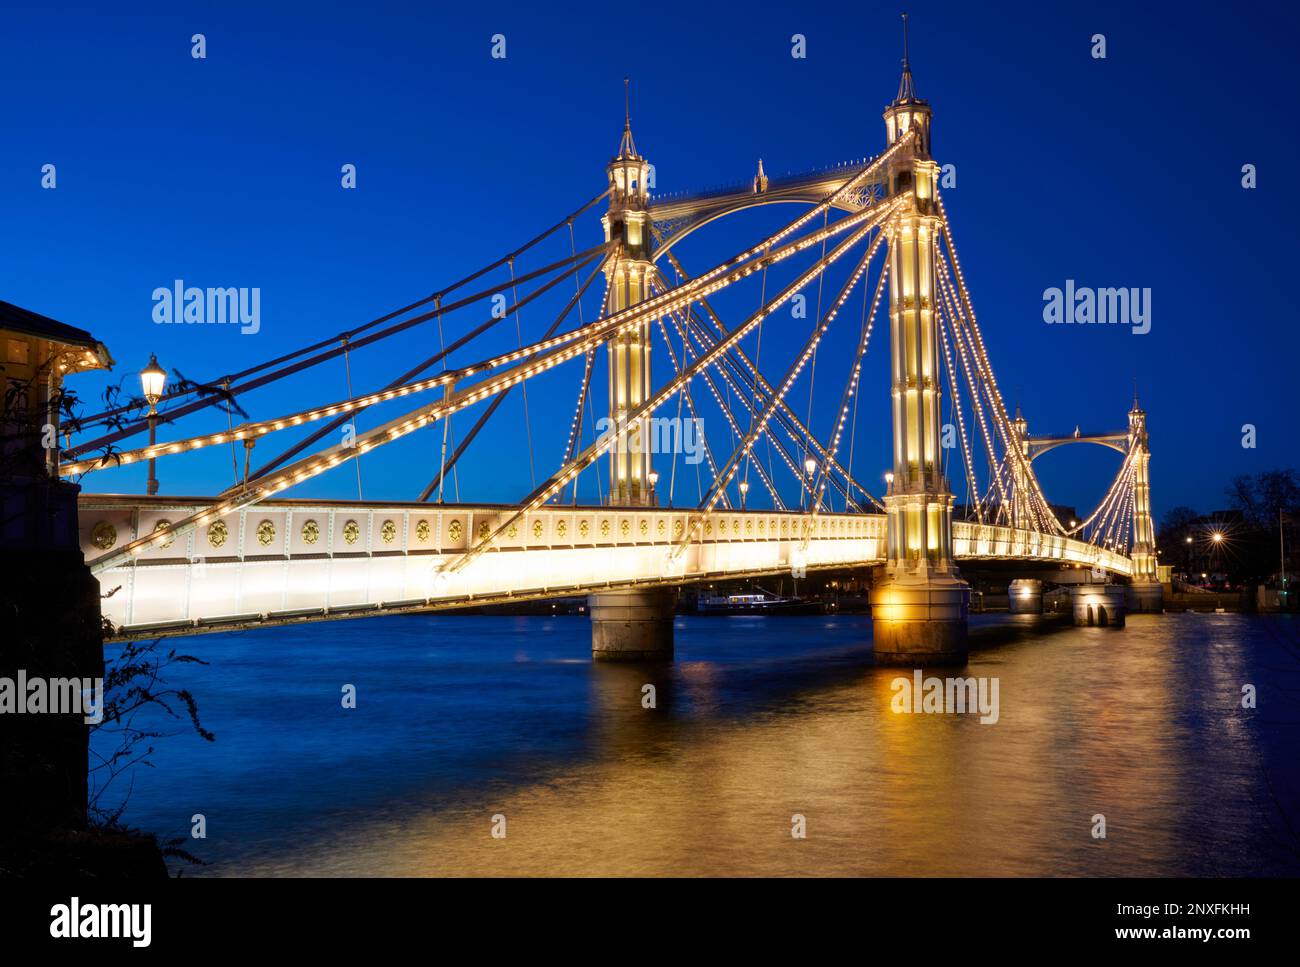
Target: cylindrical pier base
[632,625]
[920,624]
[1099,605]
[1025,596]
[1146,598]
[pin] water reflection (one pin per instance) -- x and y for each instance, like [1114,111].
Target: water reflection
[757,721]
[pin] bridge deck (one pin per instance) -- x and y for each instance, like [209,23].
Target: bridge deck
[299,560]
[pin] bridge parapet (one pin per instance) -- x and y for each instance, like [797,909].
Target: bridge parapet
[971,540]
[322,558]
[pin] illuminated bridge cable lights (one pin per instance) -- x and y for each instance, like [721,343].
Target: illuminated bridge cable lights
[750,407]
[792,373]
[979,377]
[727,412]
[1000,412]
[972,483]
[337,350]
[634,419]
[690,355]
[764,248]
[686,395]
[740,362]
[851,385]
[974,383]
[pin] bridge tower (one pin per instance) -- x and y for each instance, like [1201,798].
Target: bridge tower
[630,625]
[1020,474]
[628,273]
[1146,594]
[919,611]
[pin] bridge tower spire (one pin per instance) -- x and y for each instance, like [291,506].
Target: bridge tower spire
[628,273]
[1146,591]
[919,610]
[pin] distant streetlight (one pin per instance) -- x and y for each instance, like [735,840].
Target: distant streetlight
[153,379]
[810,465]
[653,477]
[1217,537]
[744,490]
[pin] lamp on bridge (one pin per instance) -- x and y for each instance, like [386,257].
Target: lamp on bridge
[153,378]
[653,477]
[810,465]
[744,489]
[889,481]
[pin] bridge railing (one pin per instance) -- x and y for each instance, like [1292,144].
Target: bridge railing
[285,557]
[971,540]
[303,559]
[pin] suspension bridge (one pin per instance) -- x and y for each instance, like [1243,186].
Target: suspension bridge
[253,554]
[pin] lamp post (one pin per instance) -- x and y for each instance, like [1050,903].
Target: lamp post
[152,380]
[653,477]
[744,489]
[810,465]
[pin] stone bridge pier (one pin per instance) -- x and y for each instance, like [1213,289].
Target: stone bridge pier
[1099,605]
[632,625]
[1025,596]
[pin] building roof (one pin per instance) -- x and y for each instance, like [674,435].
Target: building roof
[17,319]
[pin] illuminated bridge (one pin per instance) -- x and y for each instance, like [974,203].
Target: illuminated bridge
[255,554]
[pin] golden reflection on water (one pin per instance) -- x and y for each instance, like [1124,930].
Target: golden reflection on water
[1089,724]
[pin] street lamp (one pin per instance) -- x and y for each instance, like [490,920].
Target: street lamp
[653,477]
[744,489]
[889,481]
[153,378]
[810,465]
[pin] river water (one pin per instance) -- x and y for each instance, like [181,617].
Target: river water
[462,719]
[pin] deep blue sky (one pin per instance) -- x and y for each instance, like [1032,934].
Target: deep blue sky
[225,171]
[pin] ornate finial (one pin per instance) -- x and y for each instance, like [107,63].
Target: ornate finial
[760,180]
[626,147]
[906,86]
